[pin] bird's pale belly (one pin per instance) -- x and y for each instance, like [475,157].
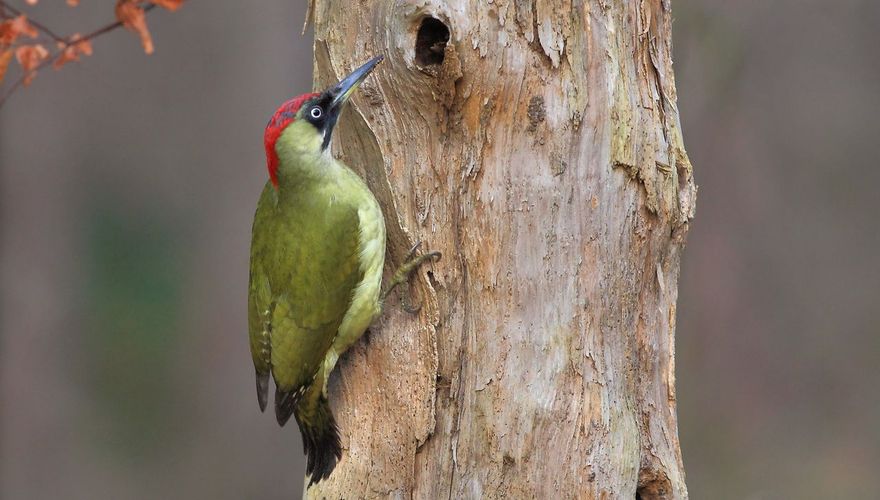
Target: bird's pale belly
[365,304]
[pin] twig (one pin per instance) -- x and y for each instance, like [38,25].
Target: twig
[35,24]
[111,27]
[65,42]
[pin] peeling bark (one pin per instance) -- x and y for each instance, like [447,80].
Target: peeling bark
[544,157]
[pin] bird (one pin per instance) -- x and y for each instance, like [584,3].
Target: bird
[316,262]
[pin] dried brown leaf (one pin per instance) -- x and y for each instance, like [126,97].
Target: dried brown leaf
[84,47]
[169,4]
[72,51]
[13,28]
[29,57]
[5,57]
[131,15]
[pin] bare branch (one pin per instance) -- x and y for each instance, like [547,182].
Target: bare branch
[35,24]
[62,43]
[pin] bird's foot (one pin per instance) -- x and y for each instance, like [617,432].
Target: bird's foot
[405,271]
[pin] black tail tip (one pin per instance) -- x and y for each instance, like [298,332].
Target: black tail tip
[322,446]
[323,451]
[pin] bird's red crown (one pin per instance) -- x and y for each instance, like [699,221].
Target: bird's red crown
[285,114]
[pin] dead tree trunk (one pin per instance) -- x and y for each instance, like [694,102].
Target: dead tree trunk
[537,144]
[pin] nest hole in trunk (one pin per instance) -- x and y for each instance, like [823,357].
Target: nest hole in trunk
[431,40]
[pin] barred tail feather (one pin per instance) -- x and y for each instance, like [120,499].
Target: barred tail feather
[320,438]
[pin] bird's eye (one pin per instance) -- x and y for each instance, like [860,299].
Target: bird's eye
[316,112]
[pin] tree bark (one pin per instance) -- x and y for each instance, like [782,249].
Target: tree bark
[540,150]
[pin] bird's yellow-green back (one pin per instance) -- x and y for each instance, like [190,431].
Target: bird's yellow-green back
[304,270]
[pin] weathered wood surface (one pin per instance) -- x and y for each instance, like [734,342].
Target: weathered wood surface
[543,156]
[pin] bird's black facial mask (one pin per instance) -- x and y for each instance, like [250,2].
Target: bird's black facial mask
[323,116]
[325,109]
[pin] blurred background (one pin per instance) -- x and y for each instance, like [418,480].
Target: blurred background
[128,184]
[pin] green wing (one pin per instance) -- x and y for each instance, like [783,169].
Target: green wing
[304,269]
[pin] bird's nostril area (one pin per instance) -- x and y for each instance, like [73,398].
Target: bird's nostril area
[431,42]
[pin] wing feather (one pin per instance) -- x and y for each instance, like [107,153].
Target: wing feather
[304,271]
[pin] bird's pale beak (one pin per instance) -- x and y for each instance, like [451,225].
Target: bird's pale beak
[343,90]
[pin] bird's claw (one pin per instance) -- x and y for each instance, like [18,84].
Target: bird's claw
[411,255]
[410,309]
[403,273]
[412,251]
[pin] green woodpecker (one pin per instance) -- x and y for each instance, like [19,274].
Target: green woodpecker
[317,253]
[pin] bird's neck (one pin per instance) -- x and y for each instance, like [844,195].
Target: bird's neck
[302,161]
[305,168]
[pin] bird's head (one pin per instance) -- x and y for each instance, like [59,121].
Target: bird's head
[304,124]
